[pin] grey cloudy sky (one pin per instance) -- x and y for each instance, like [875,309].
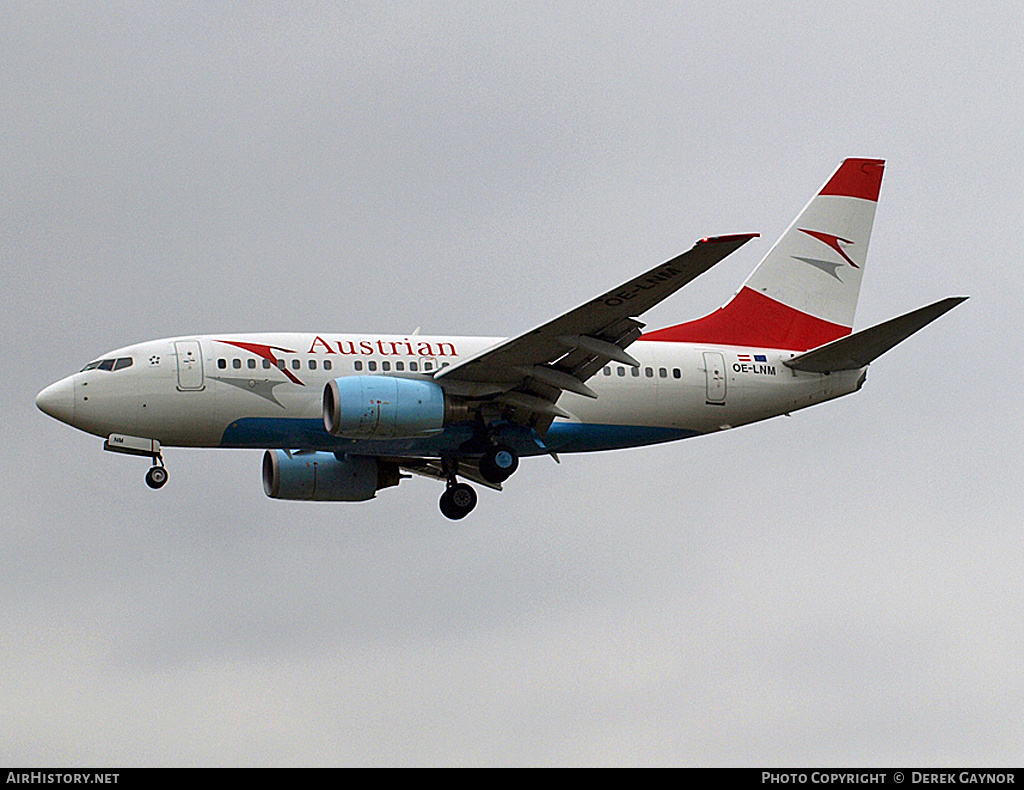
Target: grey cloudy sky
[842,587]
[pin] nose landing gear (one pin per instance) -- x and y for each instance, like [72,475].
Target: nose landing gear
[156,477]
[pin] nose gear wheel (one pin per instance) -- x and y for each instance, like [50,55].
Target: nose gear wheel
[156,477]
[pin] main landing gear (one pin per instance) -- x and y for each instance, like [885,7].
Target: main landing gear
[496,466]
[458,500]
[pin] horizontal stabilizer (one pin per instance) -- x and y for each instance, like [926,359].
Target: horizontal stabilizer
[862,348]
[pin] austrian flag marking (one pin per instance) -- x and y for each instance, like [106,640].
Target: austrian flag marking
[753,363]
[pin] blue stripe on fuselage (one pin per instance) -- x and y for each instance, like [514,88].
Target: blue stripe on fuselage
[580,437]
[563,437]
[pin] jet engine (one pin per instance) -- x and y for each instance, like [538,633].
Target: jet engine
[325,477]
[383,407]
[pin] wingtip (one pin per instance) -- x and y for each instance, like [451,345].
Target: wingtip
[740,237]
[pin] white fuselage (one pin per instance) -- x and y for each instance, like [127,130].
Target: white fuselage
[264,390]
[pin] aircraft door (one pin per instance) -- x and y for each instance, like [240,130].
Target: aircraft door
[190,365]
[714,370]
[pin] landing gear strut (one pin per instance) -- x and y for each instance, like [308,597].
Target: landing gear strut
[156,477]
[497,465]
[458,499]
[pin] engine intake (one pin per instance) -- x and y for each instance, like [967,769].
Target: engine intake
[323,477]
[383,407]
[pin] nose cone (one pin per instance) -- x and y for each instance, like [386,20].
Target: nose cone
[58,400]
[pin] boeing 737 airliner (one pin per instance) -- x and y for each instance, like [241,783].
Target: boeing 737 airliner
[345,415]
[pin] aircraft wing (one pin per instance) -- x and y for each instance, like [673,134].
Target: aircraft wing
[528,373]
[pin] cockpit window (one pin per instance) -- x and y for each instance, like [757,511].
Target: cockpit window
[109,364]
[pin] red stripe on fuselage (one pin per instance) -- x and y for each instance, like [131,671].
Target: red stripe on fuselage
[755,320]
[858,178]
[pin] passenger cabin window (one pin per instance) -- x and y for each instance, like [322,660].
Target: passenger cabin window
[371,365]
[327,364]
[414,366]
[358,365]
[385,366]
[649,372]
[677,373]
[266,364]
[296,364]
[312,364]
[621,371]
[222,363]
[399,366]
[608,371]
[236,364]
[662,373]
[251,364]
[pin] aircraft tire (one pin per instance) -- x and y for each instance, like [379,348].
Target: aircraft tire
[156,477]
[498,464]
[458,501]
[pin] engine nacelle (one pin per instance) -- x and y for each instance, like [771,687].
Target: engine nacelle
[383,407]
[323,477]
